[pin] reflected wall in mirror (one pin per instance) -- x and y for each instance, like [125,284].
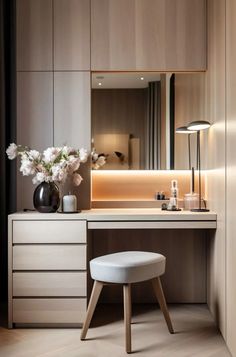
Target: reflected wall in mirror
[135,116]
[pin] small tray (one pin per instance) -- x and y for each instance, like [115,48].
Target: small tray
[78,211]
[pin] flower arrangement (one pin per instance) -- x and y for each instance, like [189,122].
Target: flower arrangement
[55,164]
[98,160]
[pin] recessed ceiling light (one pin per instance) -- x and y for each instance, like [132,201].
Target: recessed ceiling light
[142,78]
[99,83]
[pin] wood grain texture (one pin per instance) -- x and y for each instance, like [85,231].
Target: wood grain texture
[216,175]
[49,310]
[49,232]
[50,284]
[72,124]
[231,175]
[120,111]
[34,123]
[148,35]
[189,106]
[34,35]
[72,34]
[49,257]
[185,251]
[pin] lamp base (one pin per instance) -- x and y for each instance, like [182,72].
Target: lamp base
[199,210]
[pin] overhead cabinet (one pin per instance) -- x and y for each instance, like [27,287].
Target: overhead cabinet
[163,35]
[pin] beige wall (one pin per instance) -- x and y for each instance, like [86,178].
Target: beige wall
[215,113]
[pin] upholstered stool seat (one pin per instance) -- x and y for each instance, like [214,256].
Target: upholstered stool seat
[126,268]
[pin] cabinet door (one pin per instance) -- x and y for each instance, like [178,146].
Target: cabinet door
[34,123]
[34,35]
[72,35]
[72,123]
[148,35]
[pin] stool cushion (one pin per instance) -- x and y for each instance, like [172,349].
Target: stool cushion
[127,267]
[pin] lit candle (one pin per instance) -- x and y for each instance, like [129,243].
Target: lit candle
[69,203]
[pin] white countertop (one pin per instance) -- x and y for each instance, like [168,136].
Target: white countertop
[119,214]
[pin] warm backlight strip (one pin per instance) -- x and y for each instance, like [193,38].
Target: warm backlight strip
[138,184]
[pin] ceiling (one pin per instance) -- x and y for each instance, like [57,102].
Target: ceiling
[123,79]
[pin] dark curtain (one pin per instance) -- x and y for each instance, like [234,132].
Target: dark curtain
[153,132]
[7,129]
[172,122]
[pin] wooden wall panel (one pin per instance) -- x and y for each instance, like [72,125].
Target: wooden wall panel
[231,174]
[34,123]
[185,277]
[72,124]
[34,35]
[215,113]
[72,34]
[189,106]
[148,35]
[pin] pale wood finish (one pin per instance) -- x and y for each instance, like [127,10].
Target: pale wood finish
[72,124]
[72,35]
[148,35]
[49,310]
[216,175]
[230,175]
[49,232]
[197,335]
[34,123]
[10,283]
[49,257]
[152,225]
[50,284]
[189,106]
[97,288]
[185,251]
[156,283]
[127,316]
[34,35]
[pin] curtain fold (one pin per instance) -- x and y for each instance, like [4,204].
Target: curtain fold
[153,127]
[7,129]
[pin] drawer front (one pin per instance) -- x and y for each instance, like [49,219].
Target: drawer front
[50,284]
[49,257]
[49,310]
[49,231]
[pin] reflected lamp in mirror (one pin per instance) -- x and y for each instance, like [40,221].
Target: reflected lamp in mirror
[185,130]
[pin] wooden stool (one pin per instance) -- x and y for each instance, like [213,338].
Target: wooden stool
[126,268]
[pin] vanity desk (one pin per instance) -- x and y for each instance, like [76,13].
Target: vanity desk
[48,257]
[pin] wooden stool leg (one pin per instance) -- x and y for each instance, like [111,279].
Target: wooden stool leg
[156,282]
[127,316]
[97,288]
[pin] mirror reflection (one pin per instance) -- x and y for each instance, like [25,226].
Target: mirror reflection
[135,116]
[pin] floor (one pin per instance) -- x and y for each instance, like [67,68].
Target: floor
[196,335]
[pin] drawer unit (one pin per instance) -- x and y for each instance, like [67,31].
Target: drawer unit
[49,257]
[49,232]
[35,311]
[50,284]
[47,270]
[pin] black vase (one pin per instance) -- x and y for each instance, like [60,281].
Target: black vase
[46,197]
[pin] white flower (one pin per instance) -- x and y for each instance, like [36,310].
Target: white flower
[101,160]
[12,151]
[74,164]
[59,173]
[66,150]
[51,154]
[34,154]
[83,155]
[27,167]
[77,179]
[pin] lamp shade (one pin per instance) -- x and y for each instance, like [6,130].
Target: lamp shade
[184,130]
[198,125]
